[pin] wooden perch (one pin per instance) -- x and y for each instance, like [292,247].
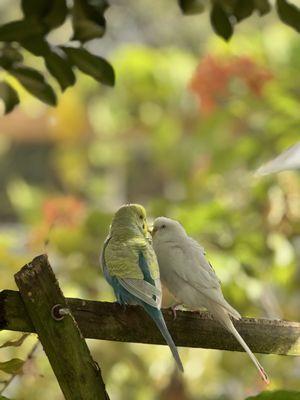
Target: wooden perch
[109,321]
[78,375]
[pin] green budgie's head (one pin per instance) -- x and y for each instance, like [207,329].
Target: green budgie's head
[131,217]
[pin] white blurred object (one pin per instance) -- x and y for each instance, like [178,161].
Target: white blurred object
[288,160]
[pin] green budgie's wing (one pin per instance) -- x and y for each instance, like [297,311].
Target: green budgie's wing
[122,257]
[102,258]
[150,294]
[135,265]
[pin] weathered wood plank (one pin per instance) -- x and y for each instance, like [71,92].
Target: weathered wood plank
[78,375]
[109,321]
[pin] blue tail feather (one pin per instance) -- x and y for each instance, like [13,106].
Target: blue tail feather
[158,318]
[124,297]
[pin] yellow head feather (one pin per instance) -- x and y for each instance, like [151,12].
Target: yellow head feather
[130,217]
[129,237]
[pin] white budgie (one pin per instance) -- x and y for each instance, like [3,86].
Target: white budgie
[187,274]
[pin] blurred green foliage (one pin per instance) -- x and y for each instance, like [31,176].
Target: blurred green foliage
[181,134]
[85,21]
[276,395]
[30,33]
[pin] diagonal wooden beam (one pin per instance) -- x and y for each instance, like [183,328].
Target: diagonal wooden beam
[109,321]
[78,375]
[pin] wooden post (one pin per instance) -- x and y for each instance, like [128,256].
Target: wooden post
[78,375]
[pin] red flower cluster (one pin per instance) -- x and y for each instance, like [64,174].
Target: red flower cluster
[213,75]
[64,210]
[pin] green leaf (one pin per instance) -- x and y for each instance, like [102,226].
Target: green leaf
[88,21]
[263,6]
[35,8]
[57,14]
[289,14]
[9,56]
[101,5]
[18,30]
[95,66]
[190,7]
[243,9]
[12,366]
[12,53]
[15,343]
[57,64]
[35,83]
[11,99]
[60,68]
[3,398]
[36,45]
[276,395]
[220,22]
[52,12]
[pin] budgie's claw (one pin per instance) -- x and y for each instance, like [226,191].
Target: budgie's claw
[264,376]
[121,305]
[174,309]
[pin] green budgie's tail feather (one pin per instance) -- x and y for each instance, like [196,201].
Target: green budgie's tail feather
[158,318]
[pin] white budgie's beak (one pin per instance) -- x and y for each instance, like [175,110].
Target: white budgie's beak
[153,231]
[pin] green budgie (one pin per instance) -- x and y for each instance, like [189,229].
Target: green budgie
[130,267]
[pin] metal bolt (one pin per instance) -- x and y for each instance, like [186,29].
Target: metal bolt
[58,312]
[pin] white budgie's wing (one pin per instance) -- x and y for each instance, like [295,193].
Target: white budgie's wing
[199,253]
[187,261]
[198,273]
[143,290]
[215,293]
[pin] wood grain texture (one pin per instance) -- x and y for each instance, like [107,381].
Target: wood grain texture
[109,321]
[78,375]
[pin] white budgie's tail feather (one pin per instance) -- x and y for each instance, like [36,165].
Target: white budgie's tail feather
[239,338]
[221,315]
[230,310]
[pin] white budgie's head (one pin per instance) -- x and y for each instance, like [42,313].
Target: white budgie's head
[166,229]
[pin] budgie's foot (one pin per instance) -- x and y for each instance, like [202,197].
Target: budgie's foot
[120,304]
[264,376]
[174,308]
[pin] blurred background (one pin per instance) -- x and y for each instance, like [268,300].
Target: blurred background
[190,119]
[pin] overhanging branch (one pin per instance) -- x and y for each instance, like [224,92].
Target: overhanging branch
[109,321]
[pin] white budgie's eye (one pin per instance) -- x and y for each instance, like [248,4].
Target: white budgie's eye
[163,226]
